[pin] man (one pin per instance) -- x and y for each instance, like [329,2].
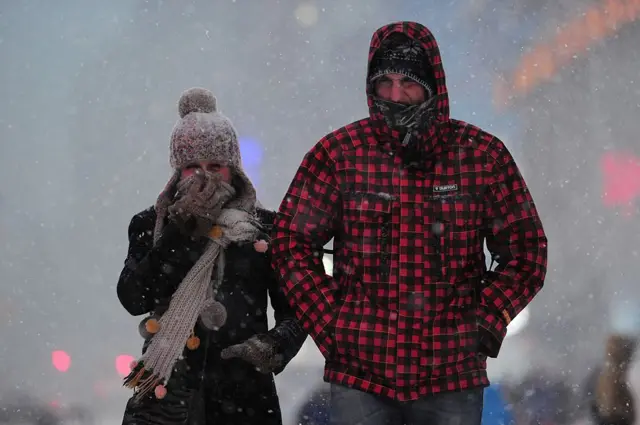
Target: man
[197,263]
[409,196]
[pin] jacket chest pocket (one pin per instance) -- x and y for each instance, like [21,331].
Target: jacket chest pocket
[367,233]
[454,226]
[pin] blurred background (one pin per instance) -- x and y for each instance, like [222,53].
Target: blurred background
[88,94]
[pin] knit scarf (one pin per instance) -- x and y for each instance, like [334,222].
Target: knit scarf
[193,296]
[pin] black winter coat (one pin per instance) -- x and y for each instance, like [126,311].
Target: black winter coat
[205,389]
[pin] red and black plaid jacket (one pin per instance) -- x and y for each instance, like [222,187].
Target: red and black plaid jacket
[411,309]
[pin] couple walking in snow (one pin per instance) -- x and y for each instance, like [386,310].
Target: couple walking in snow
[409,196]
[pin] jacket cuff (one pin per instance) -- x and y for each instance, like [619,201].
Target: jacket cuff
[492,331]
[288,337]
[172,238]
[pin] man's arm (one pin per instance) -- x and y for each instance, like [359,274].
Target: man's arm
[304,224]
[517,242]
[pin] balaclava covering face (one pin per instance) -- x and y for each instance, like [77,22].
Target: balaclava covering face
[399,54]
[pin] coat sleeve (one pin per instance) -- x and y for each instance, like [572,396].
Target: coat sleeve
[516,240]
[303,225]
[151,273]
[287,332]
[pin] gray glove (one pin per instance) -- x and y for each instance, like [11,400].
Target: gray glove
[259,350]
[200,198]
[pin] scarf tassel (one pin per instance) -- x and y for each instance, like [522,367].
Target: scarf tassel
[132,379]
[143,385]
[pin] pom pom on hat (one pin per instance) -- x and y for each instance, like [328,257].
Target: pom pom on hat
[203,133]
[196,99]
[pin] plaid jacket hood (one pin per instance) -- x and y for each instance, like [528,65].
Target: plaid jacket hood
[421,35]
[411,308]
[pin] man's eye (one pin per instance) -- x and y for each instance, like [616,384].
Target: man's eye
[408,82]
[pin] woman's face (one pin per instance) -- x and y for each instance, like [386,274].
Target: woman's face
[210,166]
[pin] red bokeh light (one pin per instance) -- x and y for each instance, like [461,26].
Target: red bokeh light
[123,364]
[61,360]
[621,185]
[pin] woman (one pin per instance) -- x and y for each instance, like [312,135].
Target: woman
[197,264]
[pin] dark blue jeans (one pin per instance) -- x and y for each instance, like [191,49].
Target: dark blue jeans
[353,407]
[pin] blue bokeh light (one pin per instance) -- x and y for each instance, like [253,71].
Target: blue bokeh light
[251,151]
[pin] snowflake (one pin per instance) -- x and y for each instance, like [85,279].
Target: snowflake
[412,47]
